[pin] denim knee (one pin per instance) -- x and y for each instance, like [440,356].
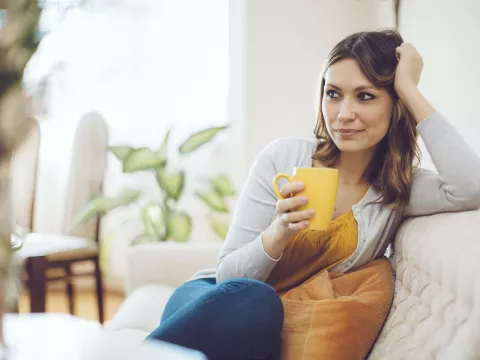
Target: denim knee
[262,298]
[264,319]
[234,285]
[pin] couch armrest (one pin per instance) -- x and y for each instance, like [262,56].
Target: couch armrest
[435,312]
[439,245]
[168,263]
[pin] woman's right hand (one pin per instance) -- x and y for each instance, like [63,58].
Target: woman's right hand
[289,222]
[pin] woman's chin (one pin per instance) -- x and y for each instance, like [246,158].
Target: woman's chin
[350,147]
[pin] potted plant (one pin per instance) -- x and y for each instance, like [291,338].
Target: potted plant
[162,220]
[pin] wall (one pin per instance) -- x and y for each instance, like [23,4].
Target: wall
[283,45]
[445,33]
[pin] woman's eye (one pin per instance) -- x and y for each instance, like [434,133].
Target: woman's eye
[366,96]
[332,94]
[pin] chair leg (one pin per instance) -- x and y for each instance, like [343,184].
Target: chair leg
[36,267]
[70,289]
[99,283]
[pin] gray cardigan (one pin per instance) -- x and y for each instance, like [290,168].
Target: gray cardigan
[456,187]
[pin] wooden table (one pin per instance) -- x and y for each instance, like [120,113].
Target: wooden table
[66,337]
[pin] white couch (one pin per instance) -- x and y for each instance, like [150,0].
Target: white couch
[436,309]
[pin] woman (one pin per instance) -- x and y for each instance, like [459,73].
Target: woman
[370,112]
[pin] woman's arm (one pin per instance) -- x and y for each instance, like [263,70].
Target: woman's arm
[456,187]
[416,103]
[243,254]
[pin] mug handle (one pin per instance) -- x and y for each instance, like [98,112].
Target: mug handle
[275,181]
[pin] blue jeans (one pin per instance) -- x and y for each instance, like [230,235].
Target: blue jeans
[236,319]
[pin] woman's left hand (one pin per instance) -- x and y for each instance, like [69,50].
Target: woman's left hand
[409,68]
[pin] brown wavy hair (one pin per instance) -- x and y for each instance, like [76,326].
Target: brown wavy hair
[397,155]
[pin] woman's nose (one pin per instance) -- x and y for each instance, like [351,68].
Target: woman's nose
[346,112]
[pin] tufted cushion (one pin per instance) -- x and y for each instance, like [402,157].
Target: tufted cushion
[436,308]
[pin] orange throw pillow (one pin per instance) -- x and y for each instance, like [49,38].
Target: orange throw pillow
[335,316]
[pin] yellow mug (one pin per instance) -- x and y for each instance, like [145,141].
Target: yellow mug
[321,186]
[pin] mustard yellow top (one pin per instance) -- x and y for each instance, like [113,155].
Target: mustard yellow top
[312,251]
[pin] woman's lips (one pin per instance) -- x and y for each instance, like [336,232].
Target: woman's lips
[346,133]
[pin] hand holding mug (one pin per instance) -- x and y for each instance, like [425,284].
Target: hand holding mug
[288,207]
[320,187]
[306,202]
[290,220]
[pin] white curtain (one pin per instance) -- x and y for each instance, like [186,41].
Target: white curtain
[144,66]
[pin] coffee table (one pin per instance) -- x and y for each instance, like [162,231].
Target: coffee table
[66,337]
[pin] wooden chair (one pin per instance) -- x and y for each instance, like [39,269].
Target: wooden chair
[44,252]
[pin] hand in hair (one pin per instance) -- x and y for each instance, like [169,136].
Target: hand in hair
[409,68]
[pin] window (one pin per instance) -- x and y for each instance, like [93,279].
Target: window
[144,65]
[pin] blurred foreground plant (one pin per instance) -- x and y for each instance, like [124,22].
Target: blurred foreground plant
[18,43]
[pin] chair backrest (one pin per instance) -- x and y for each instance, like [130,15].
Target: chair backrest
[87,172]
[24,176]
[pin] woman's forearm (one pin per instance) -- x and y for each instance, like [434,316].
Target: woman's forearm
[416,103]
[273,248]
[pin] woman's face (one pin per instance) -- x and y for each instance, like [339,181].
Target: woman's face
[356,113]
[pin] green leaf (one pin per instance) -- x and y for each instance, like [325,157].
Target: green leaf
[164,149]
[179,226]
[142,239]
[126,197]
[171,183]
[143,159]
[219,227]
[121,152]
[223,186]
[214,200]
[102,204]
[199,138]
[154,221]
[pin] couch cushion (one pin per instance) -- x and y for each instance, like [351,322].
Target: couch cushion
[122,344]
[142,310]
[131,335]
